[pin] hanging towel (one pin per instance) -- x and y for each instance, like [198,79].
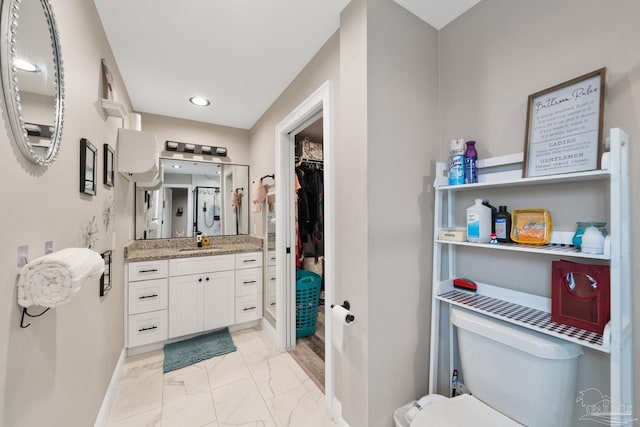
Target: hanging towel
[54,279]
[235,199]
[258,195]
[271,202]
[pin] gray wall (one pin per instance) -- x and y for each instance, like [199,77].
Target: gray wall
[402,129]
[56,371]
[499,52]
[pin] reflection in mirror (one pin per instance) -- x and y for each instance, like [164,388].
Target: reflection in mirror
[32,78]
[270,297]
[195,196]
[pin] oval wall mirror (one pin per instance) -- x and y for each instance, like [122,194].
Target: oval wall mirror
[32,78]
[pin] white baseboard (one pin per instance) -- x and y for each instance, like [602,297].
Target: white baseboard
[270,332]
[337,414]
[105,409]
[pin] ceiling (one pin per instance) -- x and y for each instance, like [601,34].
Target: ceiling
[240,54]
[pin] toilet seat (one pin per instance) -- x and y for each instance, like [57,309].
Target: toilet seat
[461,411]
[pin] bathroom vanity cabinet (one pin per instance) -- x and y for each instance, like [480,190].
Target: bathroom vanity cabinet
[171,298]
[530,306]
[201,294]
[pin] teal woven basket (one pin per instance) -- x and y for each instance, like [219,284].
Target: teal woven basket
[308,286]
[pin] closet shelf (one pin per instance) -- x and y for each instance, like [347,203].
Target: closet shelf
[536,318]
[557,250]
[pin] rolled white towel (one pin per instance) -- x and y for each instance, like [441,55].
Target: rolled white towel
[54,279]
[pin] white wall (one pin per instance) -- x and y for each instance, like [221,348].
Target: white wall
[173,129]
[56,371]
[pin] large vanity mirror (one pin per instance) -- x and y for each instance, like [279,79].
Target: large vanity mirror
[32,77]
[195,196]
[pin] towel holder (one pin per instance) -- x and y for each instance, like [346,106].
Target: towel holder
[350,317]
[26,313]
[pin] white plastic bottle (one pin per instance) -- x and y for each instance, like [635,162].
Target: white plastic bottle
[456,162]
[479,223]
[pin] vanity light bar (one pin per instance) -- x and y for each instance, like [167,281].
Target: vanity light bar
[183,147]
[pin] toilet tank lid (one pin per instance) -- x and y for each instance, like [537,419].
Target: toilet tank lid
[527,340]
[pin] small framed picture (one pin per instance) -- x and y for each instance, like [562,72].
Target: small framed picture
[105,280]
[564,127]
[108,166]
[88,162]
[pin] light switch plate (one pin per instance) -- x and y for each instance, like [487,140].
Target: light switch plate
[23,255]
[48,247]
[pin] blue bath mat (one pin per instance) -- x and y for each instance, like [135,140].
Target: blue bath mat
[193,350]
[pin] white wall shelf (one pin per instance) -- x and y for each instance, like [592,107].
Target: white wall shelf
[531,312]
[114,108]
[557,250]
[525,309]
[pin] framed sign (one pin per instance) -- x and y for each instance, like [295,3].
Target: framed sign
[88,161]
[108,178]
[105,280]
[564,127]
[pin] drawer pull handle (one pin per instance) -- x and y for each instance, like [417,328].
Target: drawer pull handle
[249,282]
[250,260]
[272,304]
[249,308]
[200,279]
[207,279]
[273,279]
[147,329]
[148,296]
[152,270]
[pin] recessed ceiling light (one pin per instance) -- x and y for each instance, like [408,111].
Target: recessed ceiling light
[199,101]
[177,166]
[26,66]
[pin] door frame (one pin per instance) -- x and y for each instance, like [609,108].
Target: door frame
[319,100]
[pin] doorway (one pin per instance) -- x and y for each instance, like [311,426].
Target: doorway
[315,106]
[309,350]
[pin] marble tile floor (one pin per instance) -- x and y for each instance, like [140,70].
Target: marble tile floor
[254,386]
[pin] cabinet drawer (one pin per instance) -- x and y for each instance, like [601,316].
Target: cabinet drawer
[248,260]
[249,281]
[271,257]
[202,264]
[146,270]
[148,295]
[248,308]
[147,328]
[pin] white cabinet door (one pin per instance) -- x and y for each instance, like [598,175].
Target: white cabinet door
[218,299]
[185,305]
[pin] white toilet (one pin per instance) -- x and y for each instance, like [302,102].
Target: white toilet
[515,375]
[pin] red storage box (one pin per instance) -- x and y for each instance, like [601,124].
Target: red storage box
[580,295]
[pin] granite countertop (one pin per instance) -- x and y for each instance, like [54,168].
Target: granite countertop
[147,250]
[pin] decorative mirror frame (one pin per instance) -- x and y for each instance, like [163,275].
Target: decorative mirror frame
[88,167]
[10,88]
